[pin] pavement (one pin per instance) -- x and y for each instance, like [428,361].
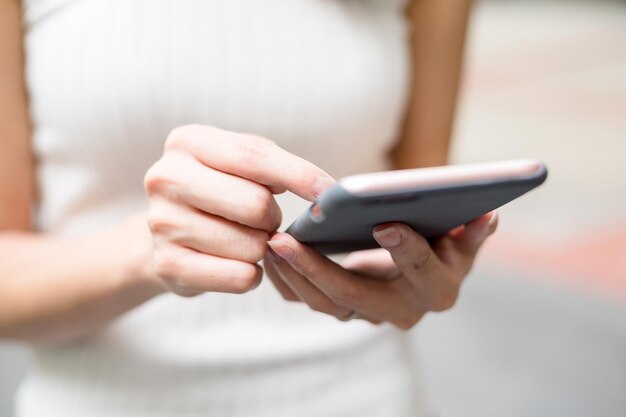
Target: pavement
[540,329]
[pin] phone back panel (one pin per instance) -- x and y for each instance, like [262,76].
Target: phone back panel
[346,221]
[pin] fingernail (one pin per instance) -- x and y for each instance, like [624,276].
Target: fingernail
[321,184]
[388,237]
[283,250]
[273,255]
[493,219]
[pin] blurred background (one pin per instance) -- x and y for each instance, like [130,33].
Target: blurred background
[540,329]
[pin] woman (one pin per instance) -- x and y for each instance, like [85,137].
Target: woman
[92,271]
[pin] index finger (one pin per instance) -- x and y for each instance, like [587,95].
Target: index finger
[251,157]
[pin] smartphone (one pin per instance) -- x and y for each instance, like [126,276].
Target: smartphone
[432,201]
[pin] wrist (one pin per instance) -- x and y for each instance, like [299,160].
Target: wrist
[132,248]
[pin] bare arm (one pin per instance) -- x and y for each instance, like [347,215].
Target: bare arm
[51,289]
[54,290]
[210,215]
[437,40]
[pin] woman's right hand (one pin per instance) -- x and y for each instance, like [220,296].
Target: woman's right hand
[212,208]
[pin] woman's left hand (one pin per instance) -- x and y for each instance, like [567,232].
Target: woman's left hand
[397,284]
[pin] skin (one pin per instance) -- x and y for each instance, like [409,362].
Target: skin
[407,277]
[77,285]
[397,284]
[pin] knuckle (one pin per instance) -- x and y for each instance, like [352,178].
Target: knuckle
[158,179]
[276,215]
[347,295]
[320,305]
[261,205]
[310,269]
[179,138]
[446,300]
[168,268]
[257,245]
[410,320]
[291,297]
[246,280]
[160,224]
[153,179]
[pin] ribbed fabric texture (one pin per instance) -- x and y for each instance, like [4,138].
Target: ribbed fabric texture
[108,80]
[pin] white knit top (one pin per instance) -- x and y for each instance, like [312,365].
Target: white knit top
[108,79]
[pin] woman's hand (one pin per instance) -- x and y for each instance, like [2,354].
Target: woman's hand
[212,209]
[397,285]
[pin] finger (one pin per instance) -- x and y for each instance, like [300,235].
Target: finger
[307,292]
[437,287]
[374,263]
[184,270]
[410,251]
[365,317]
[206,233]
[289,295]
[181,178]
[369,297]
[458,248]
[251,157]
[275,189]
[278,282]
[476,232]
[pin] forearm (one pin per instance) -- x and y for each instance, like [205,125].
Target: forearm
[437,46]
[53,290]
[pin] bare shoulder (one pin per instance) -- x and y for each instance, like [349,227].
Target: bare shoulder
[17,188]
